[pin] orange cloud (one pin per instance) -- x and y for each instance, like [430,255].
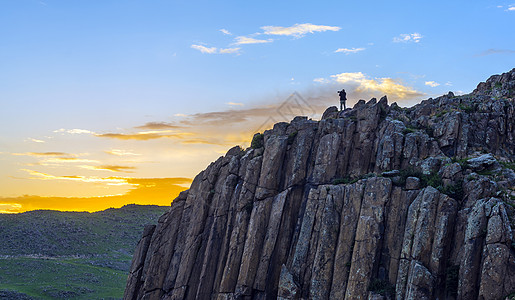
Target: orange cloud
[158,125]
[112,168]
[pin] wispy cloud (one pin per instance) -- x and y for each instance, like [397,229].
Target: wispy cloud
[204,49]
[388,86]
[408,38]
[143,136]
[496,51]
[74,131]
[229,50]
[432,83]
[243,40]
[61,160]
[321,80]
[43,154]
[348,51]
[214,50]
[120,152]
[234,104]
[112,168]
[158,125]
[35,140]
[297,30]
[93,179]
[225,31]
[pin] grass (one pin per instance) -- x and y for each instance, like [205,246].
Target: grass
[441,113]
[60,278]
[409,130]
[72,255]
[467,108]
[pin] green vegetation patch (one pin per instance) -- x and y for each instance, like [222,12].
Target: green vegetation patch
[467,108]
[60,279]
[258,141]
[70,255]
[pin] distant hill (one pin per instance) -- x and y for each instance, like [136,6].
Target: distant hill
[48,254]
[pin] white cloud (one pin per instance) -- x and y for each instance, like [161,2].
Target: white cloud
[35,140]
[321,80]
[229,50]
[511,8]
[180,115]
[432,83]
[241,40]
[225,31]
[73,131]
[297,30]
[214,50]
[204,49]
[348,51]
[388,86]
[234,103]
[448,83]
[408,37]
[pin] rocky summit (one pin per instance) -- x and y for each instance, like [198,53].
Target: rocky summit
[373,202]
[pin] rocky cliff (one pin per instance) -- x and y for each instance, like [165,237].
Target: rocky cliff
[374,202]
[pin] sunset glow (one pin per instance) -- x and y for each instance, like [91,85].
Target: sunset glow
[109,103]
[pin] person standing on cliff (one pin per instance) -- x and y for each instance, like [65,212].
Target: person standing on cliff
[343,98]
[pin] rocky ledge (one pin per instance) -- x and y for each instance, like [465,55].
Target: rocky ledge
[374,202]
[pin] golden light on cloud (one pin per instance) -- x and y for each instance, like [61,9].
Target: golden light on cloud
[120,152]
[158,125]
[385,85]
[91,179]
[112,168]
[144,191]
[10,208]
[143,136]
[42,154]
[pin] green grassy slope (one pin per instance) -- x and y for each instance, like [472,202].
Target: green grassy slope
[70,255]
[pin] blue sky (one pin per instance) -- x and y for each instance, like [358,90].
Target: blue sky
[83,78]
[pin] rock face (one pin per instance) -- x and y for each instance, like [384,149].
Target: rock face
[375,202]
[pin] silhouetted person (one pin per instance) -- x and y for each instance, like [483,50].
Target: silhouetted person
[343,98]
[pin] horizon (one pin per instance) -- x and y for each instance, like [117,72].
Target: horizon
[115,103]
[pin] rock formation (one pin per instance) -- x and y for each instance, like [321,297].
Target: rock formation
[374,202]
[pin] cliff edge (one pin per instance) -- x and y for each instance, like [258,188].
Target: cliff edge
[374,202]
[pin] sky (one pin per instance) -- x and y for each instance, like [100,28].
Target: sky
[104,103]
